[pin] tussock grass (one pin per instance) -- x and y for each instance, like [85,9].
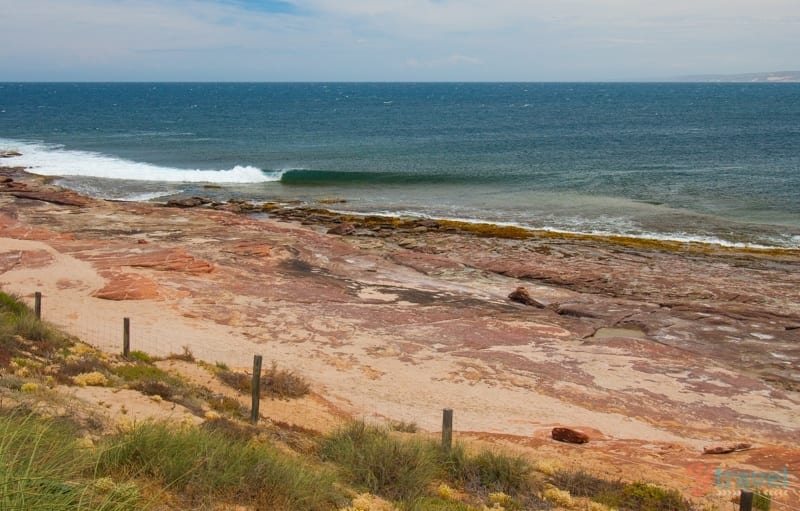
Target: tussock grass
[21,332]
[371,458]
[44,464]
[43,468]
[488,471]
[403,468]
[206,467]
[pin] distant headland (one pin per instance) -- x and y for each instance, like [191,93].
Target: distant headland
[771,77]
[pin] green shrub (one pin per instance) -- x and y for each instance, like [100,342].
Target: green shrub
[140,356]
[439,504]
[141,371]
[640,496]
[403,426]
[371,458]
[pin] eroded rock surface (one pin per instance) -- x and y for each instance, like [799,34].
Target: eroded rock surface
[644,346]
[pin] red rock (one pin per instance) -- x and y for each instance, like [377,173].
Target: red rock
[168,259]
[727,448]
[342,229]
[187,202]
[569,435]
[128,287]
[58,197]
[522,296]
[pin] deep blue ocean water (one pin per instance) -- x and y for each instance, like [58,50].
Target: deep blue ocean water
[710,162]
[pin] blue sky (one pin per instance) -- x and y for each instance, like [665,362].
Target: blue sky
[393,40]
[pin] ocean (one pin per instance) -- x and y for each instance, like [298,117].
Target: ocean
[707,162]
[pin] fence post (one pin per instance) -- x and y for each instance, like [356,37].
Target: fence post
[447,428]
[256,388]
[746,501]
[37,304]
[126,337]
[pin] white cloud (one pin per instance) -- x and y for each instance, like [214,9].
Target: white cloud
[373,39]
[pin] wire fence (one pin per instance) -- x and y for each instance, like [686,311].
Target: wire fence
[157,337]
[114,331]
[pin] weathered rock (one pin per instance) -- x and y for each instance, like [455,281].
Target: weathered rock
[9,154]
[522,296]
[410,243]
[342,229]
[430,224]
[726,449]
[187,202]
[57,197]
[127,286]
[569,436]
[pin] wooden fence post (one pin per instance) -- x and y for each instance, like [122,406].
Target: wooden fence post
[447,429]
[126,337]
[746,501]
[37,304]
[256,388]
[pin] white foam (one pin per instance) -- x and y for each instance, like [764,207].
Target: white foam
[54,160]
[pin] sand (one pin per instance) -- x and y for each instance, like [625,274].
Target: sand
[633,348]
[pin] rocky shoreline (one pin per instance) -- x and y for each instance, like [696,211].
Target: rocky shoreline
[633,342]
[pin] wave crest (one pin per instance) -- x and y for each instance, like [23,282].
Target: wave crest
[54,160]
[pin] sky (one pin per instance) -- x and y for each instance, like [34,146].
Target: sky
[394,40]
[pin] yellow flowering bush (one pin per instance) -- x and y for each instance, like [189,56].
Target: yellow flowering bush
[93,379]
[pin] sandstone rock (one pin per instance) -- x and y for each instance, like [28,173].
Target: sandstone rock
[61,198]
[569,435]
[430,224]
[726,449]
[522,296]
[126,286]
[410,243]
[187,202]
[342,229]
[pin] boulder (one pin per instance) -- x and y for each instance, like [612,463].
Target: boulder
[342,229]
[522,296]
[726,449]
[569,436]
[9,154]
[187,202]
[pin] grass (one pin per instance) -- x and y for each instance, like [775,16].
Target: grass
[43,468]
[636,496]
[17,323]
[153,381]
[44,463]
[205,466]
[275,382]
[372,459]
[489,472]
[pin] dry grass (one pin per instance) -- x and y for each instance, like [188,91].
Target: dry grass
[275,382]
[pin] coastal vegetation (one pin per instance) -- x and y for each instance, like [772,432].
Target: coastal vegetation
[59,453]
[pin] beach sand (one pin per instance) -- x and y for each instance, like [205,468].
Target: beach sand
[654,350]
